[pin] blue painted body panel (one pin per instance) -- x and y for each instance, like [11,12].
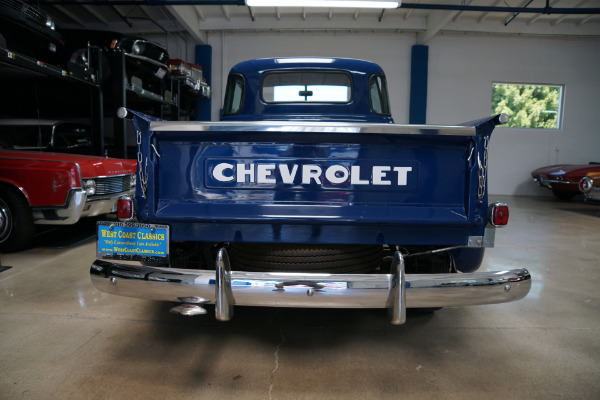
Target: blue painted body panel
[358,110]
[436,205]
[251,182]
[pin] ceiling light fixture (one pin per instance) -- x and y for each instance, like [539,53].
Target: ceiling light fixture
[324,3]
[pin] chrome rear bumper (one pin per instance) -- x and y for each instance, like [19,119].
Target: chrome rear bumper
[226,288]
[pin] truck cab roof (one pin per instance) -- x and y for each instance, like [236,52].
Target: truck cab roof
[308,89]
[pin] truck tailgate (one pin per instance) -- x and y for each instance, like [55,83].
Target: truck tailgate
[329,183]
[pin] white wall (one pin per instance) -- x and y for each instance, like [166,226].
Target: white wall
[461,71]
[391,52]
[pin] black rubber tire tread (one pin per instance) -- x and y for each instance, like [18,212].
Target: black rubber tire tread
[20,220]
[267,257]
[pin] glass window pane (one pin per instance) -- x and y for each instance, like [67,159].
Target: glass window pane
[234,95]
[69,134]
[528,105]
[378,94]
[307,87]
[26,136]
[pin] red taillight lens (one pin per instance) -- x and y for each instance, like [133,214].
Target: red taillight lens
[125,208]
[499,214]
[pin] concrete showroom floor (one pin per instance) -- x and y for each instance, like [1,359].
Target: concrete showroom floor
[60,338]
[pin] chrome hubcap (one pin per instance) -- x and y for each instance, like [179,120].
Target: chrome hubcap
[5,222]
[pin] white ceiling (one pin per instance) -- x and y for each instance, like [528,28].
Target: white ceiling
[195,18]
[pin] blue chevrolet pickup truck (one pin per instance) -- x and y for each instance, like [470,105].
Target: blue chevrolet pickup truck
[307,194]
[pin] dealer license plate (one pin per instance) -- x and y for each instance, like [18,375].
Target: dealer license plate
[132,241]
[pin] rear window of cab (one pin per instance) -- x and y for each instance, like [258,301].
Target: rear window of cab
[306,87]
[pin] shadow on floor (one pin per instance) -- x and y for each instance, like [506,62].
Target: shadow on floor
[58,237]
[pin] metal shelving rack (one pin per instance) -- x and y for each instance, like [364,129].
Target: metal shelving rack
[18,71]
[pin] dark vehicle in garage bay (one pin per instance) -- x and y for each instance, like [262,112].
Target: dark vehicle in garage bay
[29,30]
[145,61]
[189,76]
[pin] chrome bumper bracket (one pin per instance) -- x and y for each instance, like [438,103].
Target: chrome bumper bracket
[224,299]
[397,298]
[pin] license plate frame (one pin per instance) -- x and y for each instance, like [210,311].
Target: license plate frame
[132,241]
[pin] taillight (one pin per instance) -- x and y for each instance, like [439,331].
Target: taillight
[125,208]
[498,214]
[585,184]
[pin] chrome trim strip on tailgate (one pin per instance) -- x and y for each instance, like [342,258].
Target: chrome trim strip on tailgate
[308,127]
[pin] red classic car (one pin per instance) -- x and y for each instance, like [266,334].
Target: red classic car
[590,186]
[57,189]
[563,179]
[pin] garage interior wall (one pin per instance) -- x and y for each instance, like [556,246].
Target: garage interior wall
[178,46]
[464,68]
[461,71]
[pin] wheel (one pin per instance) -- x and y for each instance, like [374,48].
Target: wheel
[16,221]
[305,258]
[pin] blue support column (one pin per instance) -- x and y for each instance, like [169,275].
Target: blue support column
[418,84]
[204,59]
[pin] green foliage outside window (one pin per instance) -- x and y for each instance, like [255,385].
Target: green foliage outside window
[528,106]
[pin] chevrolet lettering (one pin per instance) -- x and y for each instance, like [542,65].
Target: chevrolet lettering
[307,194]
[307,174]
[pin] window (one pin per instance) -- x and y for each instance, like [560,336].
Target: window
[234,95]
[307,87]
[69,134]
[24,137]
[528,105]
[378,94]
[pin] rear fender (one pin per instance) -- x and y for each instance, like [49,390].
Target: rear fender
[468,259]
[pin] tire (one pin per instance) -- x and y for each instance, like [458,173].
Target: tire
[16,221]
[266,257]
